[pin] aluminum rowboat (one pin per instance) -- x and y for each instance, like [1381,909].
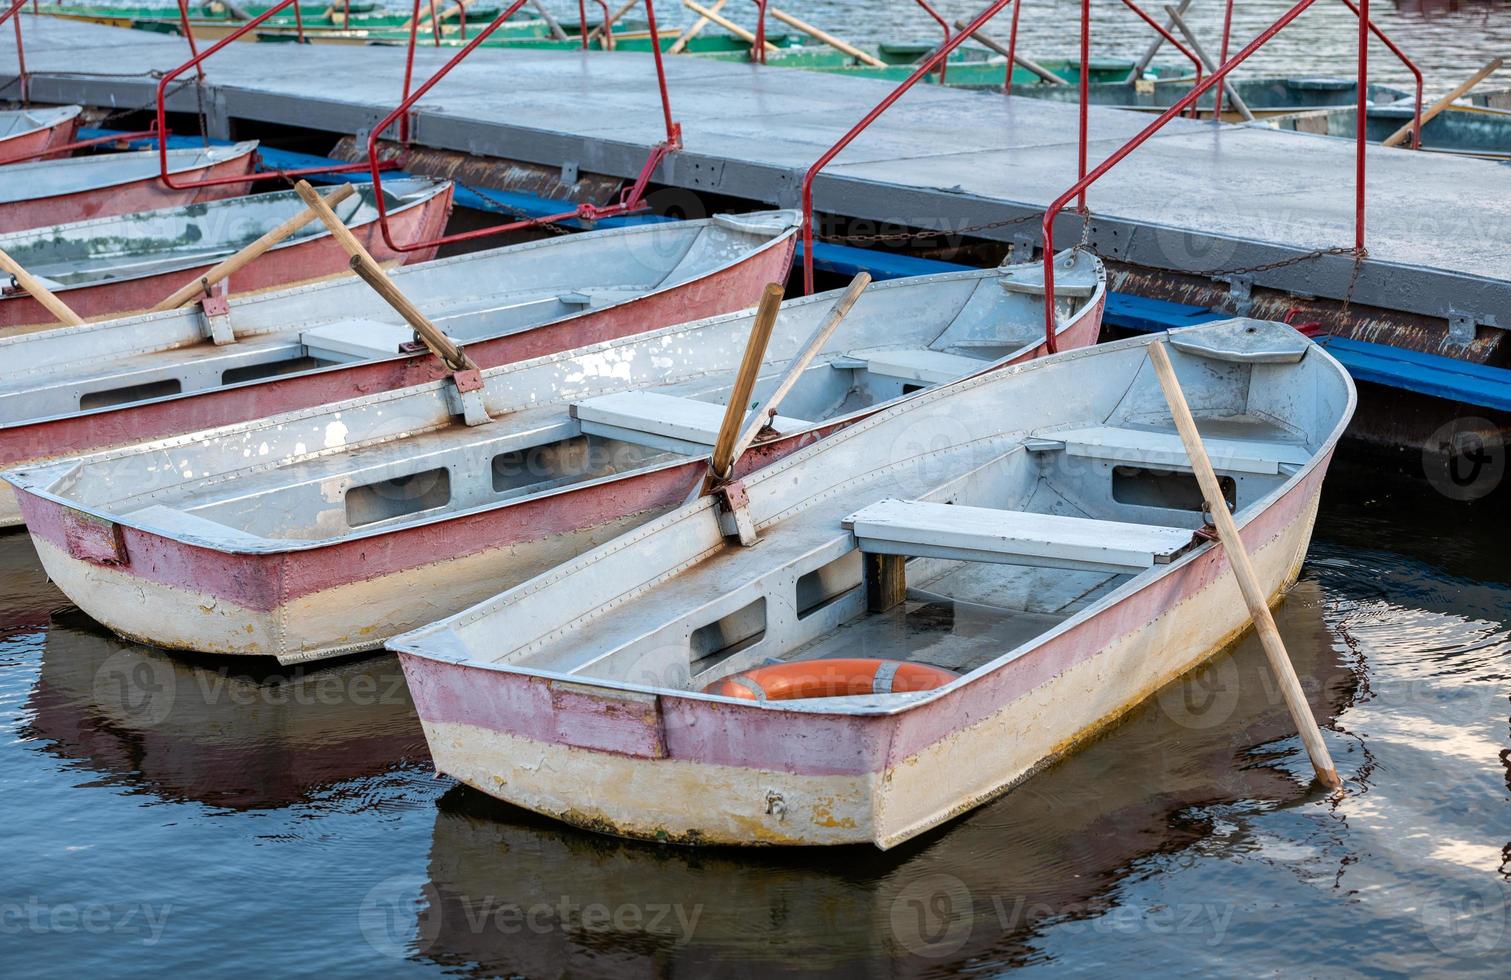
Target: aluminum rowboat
[1063,582]
[325,532]
[113,266]
[1265,97]
[57,192]
[27,132]
[164,374]
[1465,130]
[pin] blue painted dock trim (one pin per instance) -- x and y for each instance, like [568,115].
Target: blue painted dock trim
[1394,367]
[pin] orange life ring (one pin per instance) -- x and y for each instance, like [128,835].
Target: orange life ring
[833,678]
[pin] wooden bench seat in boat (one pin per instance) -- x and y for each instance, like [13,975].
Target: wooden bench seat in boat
[921,529]
[356,340]
[1164,450]
[663,421]
[913,366]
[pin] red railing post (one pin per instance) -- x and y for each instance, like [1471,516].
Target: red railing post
[945,26]
[608,29]
[298,24]
[1085,107]
[20,52]
[823,161]
[1362,130]
[162,116]
[1416,127]
[1189,99]
[1012,48]
[183,20]
[758,50]
[631,201]
[582,22]
[414,37]
[1222,55]
[1171,38]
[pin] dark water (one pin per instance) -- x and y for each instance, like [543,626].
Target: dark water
[170,818]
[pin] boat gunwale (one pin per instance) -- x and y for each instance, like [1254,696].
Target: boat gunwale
[426,194]
[25,479]
[413,643]
[202,158]
[51,117]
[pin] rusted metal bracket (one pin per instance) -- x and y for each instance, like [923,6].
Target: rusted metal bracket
[215,308]
[1240,293]
[734,513]
[468,400]
[1461,328]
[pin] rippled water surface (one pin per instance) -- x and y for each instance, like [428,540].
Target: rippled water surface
[169,817]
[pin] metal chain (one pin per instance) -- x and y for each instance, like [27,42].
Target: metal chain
[520,213]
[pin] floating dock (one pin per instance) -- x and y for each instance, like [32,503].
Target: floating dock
[1201,215]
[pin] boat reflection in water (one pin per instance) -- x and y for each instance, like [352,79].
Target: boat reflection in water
[238,739]
[511,892]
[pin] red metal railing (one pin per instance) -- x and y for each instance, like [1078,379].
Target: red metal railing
[1416,125]
[1189,99]
[1171,39]
[630,200]
[758,49]
[1222,54]
[924,69]
[188,29]
[162,117]
[11,15]
[945,26]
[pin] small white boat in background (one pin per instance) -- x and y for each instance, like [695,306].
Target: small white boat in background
[26,133]
[55,192]
[325,532]
[676,685]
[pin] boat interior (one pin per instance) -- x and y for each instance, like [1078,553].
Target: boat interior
[344,322]
[16,122]
[403,460]
[952,568]
[1469,130]
[50,178]
[150,243]
[1267,94]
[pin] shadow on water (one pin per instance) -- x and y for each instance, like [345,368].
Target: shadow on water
[510,892]
[227,736]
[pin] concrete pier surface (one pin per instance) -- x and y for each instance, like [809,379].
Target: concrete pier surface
[1199,202]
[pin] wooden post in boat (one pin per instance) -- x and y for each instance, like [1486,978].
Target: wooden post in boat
[694,29]
[557,33]
[886,581]
[365,266]
[986,40]
[1396,138]
[727,24]
[201,285]
[722,462]
[1142,65]
[594,34]
[826,38]
[59,309]
[1227,86]
[1243,570]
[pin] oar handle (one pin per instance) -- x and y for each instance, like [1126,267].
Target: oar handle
[365,266]
[722,460]
[59,309]
[1254,595]
[1399,136]
[201,285]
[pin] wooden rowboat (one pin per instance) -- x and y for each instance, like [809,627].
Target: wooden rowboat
[1465,130]
[113,266]
[1057,581]
[24,133]
[1265,97]
[56,192]
[324,532]
[166,374]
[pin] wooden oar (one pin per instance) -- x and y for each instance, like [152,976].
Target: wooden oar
[693,30]
[727,24]
[1233,97]
[826,38]
[1395,139]
[552,25]
[59,309]
[986,40]
[1243,570]
[755,351]
[1142,65]
[795,369]
[365,266]
[201,285]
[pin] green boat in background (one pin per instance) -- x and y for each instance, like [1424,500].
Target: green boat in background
[1264,97]
[216,19]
